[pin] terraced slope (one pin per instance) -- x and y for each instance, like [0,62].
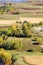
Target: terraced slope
[32,8]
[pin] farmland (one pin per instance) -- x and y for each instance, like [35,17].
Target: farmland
[21,33]
[16,10]
[20,42]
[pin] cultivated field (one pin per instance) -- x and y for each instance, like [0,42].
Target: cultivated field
[21,43]
[26,9]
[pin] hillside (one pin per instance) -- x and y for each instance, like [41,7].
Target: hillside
[24,9]
[31,8]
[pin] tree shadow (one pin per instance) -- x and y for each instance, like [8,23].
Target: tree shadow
[1,62]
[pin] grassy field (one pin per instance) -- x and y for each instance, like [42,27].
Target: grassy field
[17,17]
[23,57]
[9,17]
[29,54]
[27,44]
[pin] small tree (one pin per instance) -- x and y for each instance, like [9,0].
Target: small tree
[6,56]
[18,29]
[9,31]
[18,46]
[27,31]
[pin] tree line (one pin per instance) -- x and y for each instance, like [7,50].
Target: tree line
[20,29]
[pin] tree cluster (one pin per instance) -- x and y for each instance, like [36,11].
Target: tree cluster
[20,29]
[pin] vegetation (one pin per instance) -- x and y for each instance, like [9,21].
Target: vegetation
[12,11]
[9,9]
[20,38]
[6,57]
[24,29]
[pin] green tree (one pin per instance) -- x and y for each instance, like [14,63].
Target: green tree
[26,29]
[18,46]
[6,57]
[9,31]
[28,24]
[18,31]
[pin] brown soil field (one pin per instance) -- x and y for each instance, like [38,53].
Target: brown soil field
[34,60]
[31,20]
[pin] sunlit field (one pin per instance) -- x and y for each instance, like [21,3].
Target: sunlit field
[29,19]
[21,33]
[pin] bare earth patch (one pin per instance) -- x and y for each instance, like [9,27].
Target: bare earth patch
[34,60]
[31,20]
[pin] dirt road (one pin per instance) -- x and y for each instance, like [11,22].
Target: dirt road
[31,20]
[34,60]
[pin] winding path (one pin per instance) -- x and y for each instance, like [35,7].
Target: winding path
[34,60]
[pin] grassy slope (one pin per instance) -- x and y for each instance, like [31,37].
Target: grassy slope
[27,44]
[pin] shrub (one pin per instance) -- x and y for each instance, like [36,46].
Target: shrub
[3,36]
[6,56]
[9,31]
[18,46]
[27,31]
[10,44]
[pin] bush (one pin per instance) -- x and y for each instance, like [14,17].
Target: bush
[18,46]
[9,31]
[4,37]
[10,44]
[6,56]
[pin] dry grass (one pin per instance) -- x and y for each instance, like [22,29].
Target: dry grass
[31,20]
[34,60]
